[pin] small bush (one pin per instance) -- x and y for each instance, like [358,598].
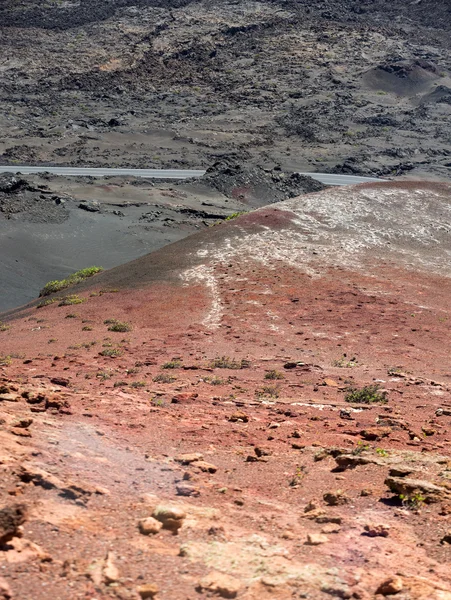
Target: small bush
[370,394]
[273,375]
[120,384]
[47,302]
[164,378]
[268,391]
[69,300]
[57,285]
[173,364]
[138,384]
[5,361]
[345,363]
[224,362]
[86,328]
[4,326]
[111,352]
[117,326]
[235,215]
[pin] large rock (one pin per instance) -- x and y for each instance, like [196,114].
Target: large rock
[409,488]
[11,518]
[221,584]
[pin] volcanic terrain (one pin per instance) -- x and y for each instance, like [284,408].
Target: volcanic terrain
[352,86]
[260,410]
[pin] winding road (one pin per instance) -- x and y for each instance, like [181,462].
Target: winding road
[326,178]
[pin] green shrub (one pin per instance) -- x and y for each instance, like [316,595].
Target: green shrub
[164,378]
[138,384]
[47,302]
[370,394]
[117,326]
[273,374]
[224,362]
[173,364]
[4,326]
[57,285]
[268,391]
[235,215]
[111,352]
[69,300]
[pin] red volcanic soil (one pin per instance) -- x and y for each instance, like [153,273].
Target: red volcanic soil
[241,344]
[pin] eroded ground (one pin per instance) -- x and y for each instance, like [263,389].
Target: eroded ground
[218,404]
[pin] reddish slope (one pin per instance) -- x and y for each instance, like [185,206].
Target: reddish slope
[360,272]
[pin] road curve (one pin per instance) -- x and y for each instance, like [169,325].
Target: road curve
[326,178]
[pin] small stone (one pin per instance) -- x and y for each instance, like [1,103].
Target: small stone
[9,398]
[185,398]
[288,535]
[446,539]
[185,489]
[273,425]
[20,432]
[366,492]
[239,416]
[221,584]
[204,466]
[172,517]
[311,506]
[5,590]
[315,539]
[328,519]
[391,586]
[428,431]
[297,446]
[331,528]
[377,530]
[23,422]
[262,451]
[373,434]
[331,383]
[297,433]
[110,571]
[335,498]
[148,590]
[149,526]
[187,459]
[61,381]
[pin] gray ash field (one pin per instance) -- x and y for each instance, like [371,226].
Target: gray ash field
[348,86]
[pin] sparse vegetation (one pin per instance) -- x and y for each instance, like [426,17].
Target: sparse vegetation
[120,384]
[268,391]
[369,394]
[5,360]
[117,326]
[111,352]
[273,375]
[412,501]
[87,328]
[47,302]
[382,452]
[345,363]
[57,285]
[235,215]
[69,300]
[4,326]
[224,362]
[173,364]
[361,447]
[138,384]
[164,378]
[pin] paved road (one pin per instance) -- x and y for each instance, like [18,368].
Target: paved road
[326,178]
